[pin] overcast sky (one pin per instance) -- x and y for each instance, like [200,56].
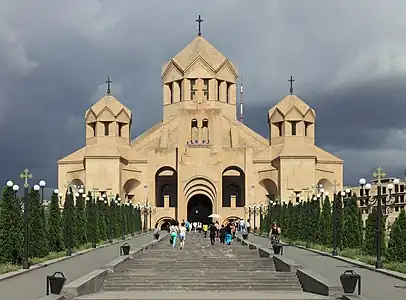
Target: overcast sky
[348,59]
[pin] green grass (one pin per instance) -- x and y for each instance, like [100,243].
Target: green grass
[356,254]
[7,267]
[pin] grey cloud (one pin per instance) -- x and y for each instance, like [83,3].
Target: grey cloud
[347,57]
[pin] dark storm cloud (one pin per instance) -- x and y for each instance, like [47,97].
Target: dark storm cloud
[55,56]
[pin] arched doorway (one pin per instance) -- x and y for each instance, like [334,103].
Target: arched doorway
[199,208]
[164,223]
[233,182]
[166,187]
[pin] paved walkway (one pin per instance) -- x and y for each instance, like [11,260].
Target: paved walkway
[375,286]
[31,285]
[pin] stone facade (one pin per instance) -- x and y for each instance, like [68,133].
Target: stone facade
[200,156]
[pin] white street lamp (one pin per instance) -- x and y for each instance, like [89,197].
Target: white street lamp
[42,183]
[10,183]
[36,187]
[16,187]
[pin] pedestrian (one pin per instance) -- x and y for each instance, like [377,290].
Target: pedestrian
[174,235]
[212,232]
[248,225]
[205,228]
[182,235]
[222,234]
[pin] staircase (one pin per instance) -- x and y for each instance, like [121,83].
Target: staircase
[200,267]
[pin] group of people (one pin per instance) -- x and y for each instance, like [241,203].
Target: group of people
[225,233]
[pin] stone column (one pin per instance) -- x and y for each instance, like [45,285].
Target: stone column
[176,92]
[213,86]
[186,89]
[223,91]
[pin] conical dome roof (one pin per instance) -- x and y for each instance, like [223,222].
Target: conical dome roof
[112,103]
[288,102]
[199,47]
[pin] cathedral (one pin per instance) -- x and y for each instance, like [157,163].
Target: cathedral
[200,159]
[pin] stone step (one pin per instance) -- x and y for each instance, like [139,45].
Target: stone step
[185,275]
[208,280]
[156,294]
[203,287]
[200,267]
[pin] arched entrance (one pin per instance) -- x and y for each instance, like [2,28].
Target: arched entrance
[164,223]
[166,187]
[199,208]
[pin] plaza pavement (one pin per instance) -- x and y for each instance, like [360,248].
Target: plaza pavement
[375,286]
[32,285]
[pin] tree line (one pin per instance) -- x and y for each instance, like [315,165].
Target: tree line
[312,222]
[54,229]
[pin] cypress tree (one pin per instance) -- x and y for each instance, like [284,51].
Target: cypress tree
[11,227]
[314,216]
[290,212]
[117,218]
[325,232]
[101,217]
[397,242]
[370,233]
[38,245]
[81,222]
[54,225]
[138,219]
[88,212]
[92,220]
[339,219]
[68,222]
[352,225]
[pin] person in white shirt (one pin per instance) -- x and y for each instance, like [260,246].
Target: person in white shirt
[199,227]
[174,235]
[242,225]
[248,225]
[194,226]
[182,235]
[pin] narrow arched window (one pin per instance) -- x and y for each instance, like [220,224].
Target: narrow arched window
[205,131]
[194,131]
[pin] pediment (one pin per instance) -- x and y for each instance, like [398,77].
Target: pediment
[294,114]
[123,117]
[310,116]
[106,115]
[226,72]
[90,116]
[199,69]
[276,116]
[172,72]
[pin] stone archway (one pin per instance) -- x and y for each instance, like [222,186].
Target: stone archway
[325,184]
[166,186]
[230,219]
[270,189]
[129,188]
[233,183]
[199,208]
[200,185]
[164,222]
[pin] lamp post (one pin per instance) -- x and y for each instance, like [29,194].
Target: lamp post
[109,218]
[152,211]
[122,212]
[383,206]
[144,210]
[42,185]
[26,175]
